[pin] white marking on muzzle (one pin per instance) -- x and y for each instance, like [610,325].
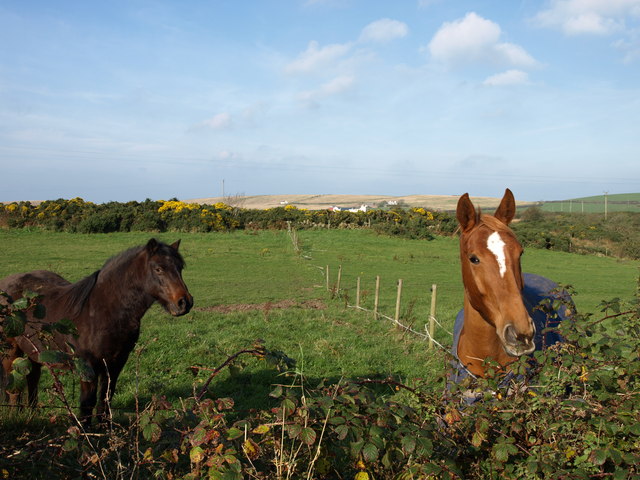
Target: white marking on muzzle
[496,246]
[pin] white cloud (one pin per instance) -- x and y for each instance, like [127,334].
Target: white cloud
[514,55]
[510,77]
[474,39]
[314,57]
[384,30]
[334,87]
[593,17]
[631,49]
[218,122]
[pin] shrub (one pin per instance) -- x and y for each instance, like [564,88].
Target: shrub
[570,412]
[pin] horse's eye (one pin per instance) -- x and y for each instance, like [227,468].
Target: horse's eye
[159,269]
[473,259]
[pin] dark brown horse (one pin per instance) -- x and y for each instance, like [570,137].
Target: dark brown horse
[501,319]
[106,308]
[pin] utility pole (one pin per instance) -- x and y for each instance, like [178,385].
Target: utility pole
[605,205]
[223,189]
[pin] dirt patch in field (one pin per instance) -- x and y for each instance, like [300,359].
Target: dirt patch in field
[246,307]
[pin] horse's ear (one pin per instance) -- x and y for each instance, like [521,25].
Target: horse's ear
[152,246]
[507,208]
[466,213]
[175,245]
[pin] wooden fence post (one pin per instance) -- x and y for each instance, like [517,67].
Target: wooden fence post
[358,293]
[398,300]
[377,299]
[327,276]
[339,278]
[432,316]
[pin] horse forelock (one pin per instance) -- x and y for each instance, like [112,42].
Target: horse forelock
[494,224]
[169,251]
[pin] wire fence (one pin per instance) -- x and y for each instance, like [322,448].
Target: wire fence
[428,333]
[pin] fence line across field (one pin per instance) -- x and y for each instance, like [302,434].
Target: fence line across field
[429,329]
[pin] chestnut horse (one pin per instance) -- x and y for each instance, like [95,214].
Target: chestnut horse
[499,320]
[106,308]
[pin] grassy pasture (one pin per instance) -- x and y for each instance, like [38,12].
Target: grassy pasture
[241,270]
[622,202]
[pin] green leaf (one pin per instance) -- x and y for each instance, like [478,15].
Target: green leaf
[21,304]
[234,433]
[598,456]
[13,325]
[225,403]
[151,432]
[477,439]
[22,365]
[294,430]
[196,455]
[199,436]
[370,452]
[341,431]
[337,420]
[15,382]
[356,448]
[276,392]
[502,451]
[288,407]
[408,444]
[65,326]
[53,357]
[308,436]
[424,446]
[261,429]
[70,444]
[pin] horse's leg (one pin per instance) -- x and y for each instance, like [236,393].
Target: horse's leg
[33,378]
[107,389]
[87,400]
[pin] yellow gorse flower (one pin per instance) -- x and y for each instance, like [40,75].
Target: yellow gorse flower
[177,206]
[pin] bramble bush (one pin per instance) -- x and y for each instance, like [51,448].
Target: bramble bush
[570,412]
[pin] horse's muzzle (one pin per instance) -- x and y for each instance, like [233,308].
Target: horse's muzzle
[182,306]
[517,344]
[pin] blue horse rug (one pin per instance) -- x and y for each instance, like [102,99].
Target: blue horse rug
[536,289]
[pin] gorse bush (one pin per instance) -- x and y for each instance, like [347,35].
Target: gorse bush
[76,215]
[568,412]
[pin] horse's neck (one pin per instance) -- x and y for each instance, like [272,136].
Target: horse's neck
[479,341]
[121,294]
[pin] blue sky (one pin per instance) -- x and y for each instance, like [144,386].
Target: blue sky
[127,100]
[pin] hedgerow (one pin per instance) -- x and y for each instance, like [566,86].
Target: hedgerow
[570,412]
[76,215]
[577,233]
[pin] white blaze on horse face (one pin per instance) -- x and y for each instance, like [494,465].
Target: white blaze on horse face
[496,246]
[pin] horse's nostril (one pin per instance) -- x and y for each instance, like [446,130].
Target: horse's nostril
[184,304]
[510,334]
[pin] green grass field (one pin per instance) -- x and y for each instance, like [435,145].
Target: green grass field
[249,273]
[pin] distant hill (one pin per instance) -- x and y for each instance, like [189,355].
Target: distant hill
[321,202]
[623,202]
